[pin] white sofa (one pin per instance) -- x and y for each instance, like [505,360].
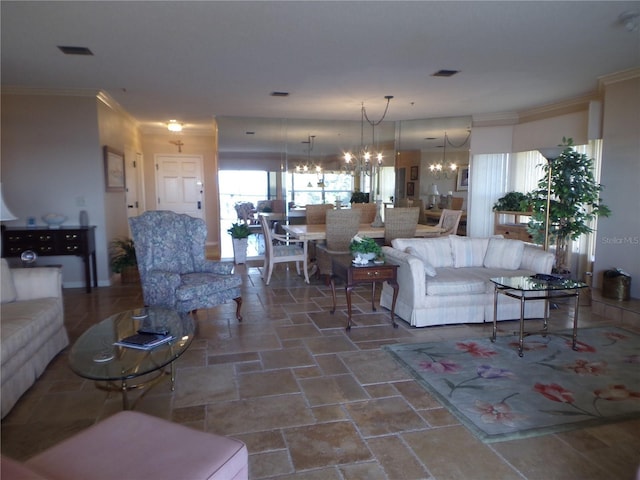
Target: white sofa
[445,280]
[32,327]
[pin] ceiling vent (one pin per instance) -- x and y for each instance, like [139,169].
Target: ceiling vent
[445,73]
[75,50]
[279,94]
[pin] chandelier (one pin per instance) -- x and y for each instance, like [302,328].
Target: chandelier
[362,161]
[443,169]
[308,166]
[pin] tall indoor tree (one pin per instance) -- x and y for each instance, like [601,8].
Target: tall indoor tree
[573,203]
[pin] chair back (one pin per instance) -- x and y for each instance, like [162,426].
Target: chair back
[268,238]
[449,220]
[316,213]
[400,223]
[456,203]
[368,211]
[168,241]
[246,212]
[341,227]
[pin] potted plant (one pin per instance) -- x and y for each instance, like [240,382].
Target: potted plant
[573,202]
[122,258]
[359,197]
[513,202]
[239,234]
[364,249]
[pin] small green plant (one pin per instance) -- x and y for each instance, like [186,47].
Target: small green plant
[513,202]
[122,254]
[359,197]
[239,230]
[364,245]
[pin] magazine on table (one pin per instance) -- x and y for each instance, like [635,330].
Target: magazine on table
[144,341]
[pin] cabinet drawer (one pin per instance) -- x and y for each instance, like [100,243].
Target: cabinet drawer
[373,274]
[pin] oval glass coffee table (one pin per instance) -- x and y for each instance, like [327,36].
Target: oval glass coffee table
[117,368]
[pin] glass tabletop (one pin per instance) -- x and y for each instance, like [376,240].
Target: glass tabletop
[530,284]
[95,356]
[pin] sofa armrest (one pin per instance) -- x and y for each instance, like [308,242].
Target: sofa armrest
[37,282]
[536,259]
[221,268]
[411,275]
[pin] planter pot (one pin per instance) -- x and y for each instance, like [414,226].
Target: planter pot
[240,250]
[130,275]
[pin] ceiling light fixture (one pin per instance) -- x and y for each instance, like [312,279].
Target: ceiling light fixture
[359,163]
[174,126]
[442,169]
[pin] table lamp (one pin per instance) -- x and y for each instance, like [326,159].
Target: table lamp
[434,195]
[5,213]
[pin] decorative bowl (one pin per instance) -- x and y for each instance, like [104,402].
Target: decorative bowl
[54,220]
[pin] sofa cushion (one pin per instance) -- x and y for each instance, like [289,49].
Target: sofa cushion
[428,268]
[451,281]
[8,292]
[436,251]
[504,253]
[468,251]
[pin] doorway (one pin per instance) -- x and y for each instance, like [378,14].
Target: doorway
[179,184]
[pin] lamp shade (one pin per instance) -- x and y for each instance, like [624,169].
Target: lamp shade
[551,153]
[433,190]
[5,213]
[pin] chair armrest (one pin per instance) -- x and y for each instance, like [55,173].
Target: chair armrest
[286,238]
[37,282]
[221,268]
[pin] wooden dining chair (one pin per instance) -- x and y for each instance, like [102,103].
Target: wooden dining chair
[449,220]
[285,250]
[341,227]
[316,213]
[400,223]
[368,211]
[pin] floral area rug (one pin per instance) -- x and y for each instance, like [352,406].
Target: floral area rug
[501,396]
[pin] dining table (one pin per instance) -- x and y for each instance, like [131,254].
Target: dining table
[318,232]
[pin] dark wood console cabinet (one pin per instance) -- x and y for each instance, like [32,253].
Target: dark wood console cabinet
[48,242]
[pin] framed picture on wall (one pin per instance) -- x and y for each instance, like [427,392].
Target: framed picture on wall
[113,169]
[463,178]
[411,189]
[414,173]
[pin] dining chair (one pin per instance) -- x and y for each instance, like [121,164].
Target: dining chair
[282,249]
[316,213]
[456,203]
[449,220]
[174,272]
[400,222]
[341,227]
[368,211]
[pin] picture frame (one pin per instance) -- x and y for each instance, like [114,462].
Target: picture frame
[462,183]
[414,173]
[411,189]
[113,170]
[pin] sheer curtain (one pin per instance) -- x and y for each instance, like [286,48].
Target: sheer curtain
[488,180]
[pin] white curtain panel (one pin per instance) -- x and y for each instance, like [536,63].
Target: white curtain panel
[488,175]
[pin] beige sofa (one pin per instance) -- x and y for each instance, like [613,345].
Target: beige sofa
[445,280]
[32,327]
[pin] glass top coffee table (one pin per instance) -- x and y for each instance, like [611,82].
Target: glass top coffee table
[114,368]
[525,288]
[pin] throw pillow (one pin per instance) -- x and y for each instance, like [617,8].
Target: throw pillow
[467,251]
[428,268]
[8,293]
[504,253]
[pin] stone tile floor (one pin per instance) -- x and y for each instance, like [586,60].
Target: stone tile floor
[313,401]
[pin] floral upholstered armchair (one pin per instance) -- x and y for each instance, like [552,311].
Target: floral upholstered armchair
[170,249]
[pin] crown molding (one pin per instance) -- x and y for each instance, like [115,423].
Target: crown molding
[572,105]
[111,103]
[497,119]
[622,76]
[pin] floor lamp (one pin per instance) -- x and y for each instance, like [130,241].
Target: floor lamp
[550,154]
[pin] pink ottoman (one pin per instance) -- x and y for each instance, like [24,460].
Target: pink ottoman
[137,446]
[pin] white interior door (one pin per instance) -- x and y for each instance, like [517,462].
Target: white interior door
[179,183]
